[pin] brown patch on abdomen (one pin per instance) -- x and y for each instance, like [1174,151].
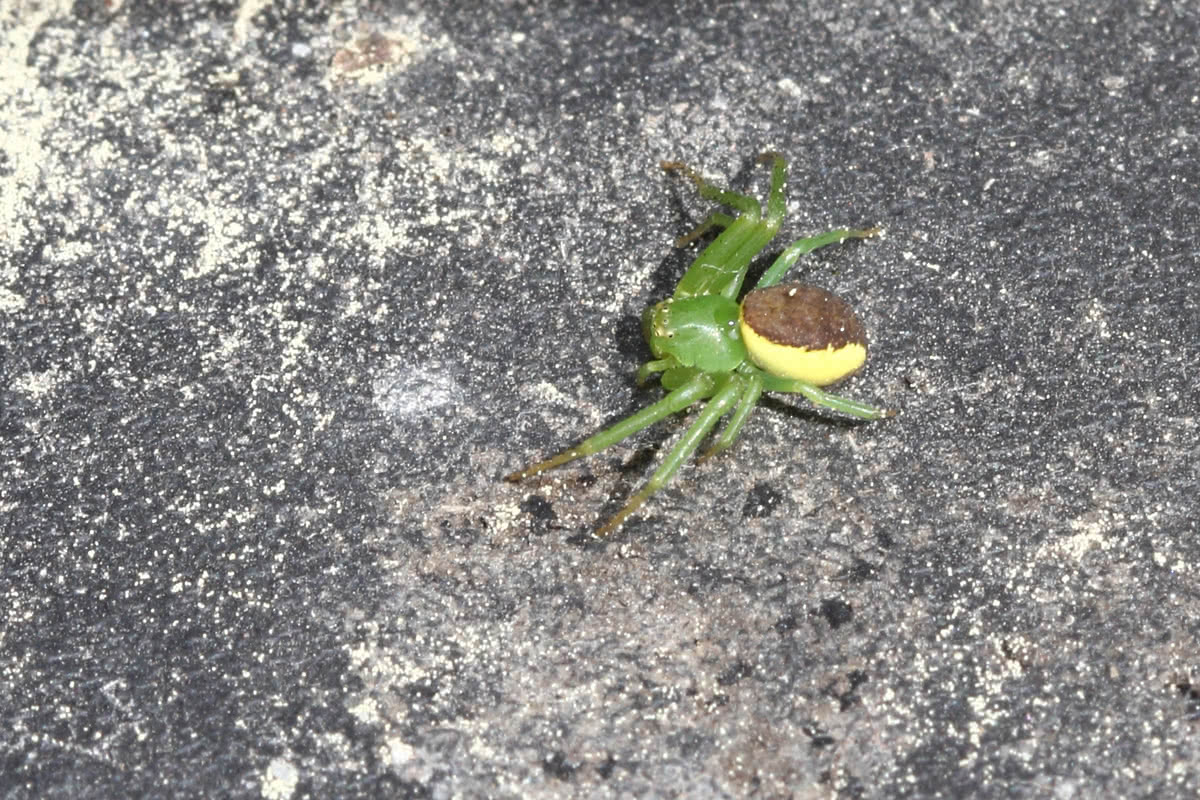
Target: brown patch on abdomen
[806,317]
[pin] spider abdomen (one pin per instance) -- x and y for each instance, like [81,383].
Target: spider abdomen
[802,332]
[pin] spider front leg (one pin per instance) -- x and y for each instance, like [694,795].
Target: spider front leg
[721,266]
[742,202]
[776,199]
[713,220]
[798,248]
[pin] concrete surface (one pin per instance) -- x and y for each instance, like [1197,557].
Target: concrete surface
[286,288]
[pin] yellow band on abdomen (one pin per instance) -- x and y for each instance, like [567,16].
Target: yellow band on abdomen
[818,367]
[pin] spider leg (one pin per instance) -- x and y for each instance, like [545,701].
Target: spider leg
[720,404]
[818,397]
[776,200]
[742,202]
[713,220]
[721,267]
[746,403]
[650,367]
[798,248]
[697,388]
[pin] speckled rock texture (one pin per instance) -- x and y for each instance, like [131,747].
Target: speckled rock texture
[286,288]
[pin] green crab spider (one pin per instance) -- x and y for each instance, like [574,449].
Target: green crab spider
[707,346]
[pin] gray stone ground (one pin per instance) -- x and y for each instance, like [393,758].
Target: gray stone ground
[286,288]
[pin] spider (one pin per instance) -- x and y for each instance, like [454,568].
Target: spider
[706,345]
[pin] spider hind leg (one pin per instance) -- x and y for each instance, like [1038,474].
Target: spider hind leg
[696,389]
[720,404]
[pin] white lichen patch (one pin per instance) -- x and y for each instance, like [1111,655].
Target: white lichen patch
[279,780]
[404,390]
[40,384]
